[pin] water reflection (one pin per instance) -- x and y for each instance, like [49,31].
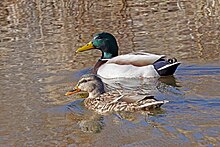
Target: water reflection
[147,85]
[37,62]
[91,122]
[69,23]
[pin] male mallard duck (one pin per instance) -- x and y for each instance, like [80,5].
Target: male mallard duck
[103,102]
[132,65]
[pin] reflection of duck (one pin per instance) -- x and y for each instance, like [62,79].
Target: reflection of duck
[94,124]
[110,65]
[103,102]
[169,80]
[88,121]
[150,86]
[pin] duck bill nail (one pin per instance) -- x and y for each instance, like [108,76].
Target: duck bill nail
[86,47]
[76,90]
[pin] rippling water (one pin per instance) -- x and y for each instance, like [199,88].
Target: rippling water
[38,65]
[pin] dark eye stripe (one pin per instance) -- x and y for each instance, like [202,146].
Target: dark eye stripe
[83,81]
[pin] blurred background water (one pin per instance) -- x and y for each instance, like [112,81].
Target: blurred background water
[38,65]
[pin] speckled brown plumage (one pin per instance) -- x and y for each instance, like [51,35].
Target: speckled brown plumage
[115,101]
[102,102]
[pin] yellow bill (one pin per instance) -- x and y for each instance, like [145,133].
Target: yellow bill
[86,47]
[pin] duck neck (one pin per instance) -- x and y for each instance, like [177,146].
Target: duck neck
[97,65]
[110,52]
[106,55]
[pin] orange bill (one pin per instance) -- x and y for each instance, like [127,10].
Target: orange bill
[75,90]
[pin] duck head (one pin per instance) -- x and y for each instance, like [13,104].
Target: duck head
[105,42]
[89,83]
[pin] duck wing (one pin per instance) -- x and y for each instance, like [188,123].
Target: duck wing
[120,96]
[135,97]
[131,97]
[142,102]
[136,59]
[118,101]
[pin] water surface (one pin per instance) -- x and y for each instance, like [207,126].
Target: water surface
[38,65]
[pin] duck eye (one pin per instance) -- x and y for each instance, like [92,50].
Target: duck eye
[84,81]
[99,37]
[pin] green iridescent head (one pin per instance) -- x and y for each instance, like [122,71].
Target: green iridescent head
[105,42]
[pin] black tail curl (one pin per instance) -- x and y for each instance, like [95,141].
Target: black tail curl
[166,67]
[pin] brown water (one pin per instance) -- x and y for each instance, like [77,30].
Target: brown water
[38,65]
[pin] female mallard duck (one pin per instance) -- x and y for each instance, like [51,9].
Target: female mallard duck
[103,102]
[132,65]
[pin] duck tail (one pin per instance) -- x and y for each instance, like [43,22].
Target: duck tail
[153,105]
[166,67]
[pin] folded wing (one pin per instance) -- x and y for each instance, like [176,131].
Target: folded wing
[136,59]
